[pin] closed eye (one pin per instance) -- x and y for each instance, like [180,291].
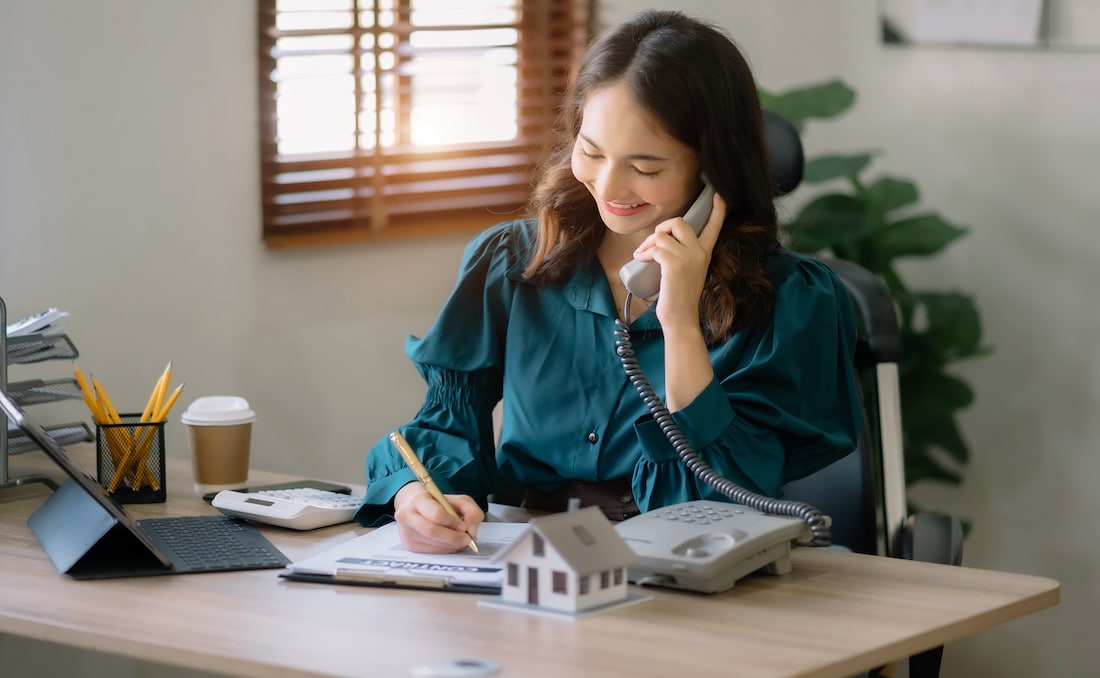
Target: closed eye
[590,151]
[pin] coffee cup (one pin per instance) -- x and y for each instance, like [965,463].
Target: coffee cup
[219,431]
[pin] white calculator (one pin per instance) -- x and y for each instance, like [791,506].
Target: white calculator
[299,508]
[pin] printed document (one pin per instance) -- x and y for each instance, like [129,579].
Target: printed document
[380,556]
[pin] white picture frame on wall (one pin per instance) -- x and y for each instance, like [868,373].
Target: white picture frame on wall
[1043,24]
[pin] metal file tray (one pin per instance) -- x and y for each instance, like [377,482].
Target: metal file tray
[50,343]
[35,348]
[65,434]
[39,391]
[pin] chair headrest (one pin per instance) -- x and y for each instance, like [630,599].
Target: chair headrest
[784,151]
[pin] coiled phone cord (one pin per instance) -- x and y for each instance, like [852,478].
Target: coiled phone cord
[819,526]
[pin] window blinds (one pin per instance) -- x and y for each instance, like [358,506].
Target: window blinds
[392,117]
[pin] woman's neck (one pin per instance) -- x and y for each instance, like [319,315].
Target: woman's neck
[616,250]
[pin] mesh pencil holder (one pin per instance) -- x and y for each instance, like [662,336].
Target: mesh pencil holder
[130,460]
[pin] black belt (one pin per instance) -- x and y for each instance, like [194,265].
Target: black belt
[614,497]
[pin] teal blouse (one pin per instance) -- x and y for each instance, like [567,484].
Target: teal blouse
[782,404]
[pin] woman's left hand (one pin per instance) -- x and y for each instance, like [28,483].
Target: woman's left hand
[684,259]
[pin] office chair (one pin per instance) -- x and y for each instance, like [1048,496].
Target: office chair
[864,493]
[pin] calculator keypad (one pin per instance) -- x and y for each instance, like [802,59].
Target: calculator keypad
[313,497]
[300,508]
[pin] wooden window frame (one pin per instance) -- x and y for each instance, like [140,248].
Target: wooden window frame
[402,191]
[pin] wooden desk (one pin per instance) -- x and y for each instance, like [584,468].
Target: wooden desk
[836,614]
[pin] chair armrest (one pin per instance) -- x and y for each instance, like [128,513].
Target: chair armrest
[933,538]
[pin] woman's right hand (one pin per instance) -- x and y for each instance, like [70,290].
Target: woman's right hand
[426,527]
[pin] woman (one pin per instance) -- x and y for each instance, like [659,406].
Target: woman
[749,344]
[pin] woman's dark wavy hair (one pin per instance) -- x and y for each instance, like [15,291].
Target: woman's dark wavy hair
[692,79]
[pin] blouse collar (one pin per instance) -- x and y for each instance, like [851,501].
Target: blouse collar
[588,290]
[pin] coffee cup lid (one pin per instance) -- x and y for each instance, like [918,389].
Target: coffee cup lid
[218,411]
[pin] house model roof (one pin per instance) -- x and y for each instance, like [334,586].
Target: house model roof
[584,538]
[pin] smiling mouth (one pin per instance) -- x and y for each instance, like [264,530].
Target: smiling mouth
[623,210]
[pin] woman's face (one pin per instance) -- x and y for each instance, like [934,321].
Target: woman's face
[638,174]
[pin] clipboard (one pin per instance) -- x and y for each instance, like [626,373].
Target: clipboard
[378,558]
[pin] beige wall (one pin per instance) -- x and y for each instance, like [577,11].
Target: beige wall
[128,196]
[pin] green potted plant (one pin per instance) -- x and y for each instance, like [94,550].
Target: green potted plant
[875,222]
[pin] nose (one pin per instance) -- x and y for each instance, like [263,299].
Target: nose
[609,183]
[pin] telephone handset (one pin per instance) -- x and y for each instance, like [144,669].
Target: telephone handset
[643,278]
[675,547]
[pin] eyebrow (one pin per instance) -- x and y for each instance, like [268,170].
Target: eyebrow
[632,156]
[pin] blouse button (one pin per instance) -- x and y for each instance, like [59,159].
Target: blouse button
[593,437]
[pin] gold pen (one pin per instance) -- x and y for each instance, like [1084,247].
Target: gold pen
[425,479]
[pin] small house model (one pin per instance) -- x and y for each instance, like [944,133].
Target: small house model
[567,562]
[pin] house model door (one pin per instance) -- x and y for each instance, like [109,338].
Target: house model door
[532,586]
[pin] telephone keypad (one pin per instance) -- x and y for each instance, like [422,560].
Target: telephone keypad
[701,515]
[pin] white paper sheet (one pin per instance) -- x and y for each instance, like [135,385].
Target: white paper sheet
[380,553]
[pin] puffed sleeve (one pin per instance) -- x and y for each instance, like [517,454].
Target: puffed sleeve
[784,401]
[460,359]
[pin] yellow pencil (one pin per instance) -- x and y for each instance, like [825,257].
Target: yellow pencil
[425,478]
[140,450]
[155,397]
[162,413]
[166,378]
[135,451]
[93,406]
[114,443]
[107,404]
[118,440]
[151,407]
[149,413]
[82,381]
[86,391]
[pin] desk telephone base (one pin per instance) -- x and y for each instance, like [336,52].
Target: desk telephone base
[708,545]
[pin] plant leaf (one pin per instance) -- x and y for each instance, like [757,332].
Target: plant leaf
[889,194]
[828,167]
[921,236]
[767,99]
[822,100]
[920,352]
[828,220]
[930,395]
[953,323]
[943,435]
